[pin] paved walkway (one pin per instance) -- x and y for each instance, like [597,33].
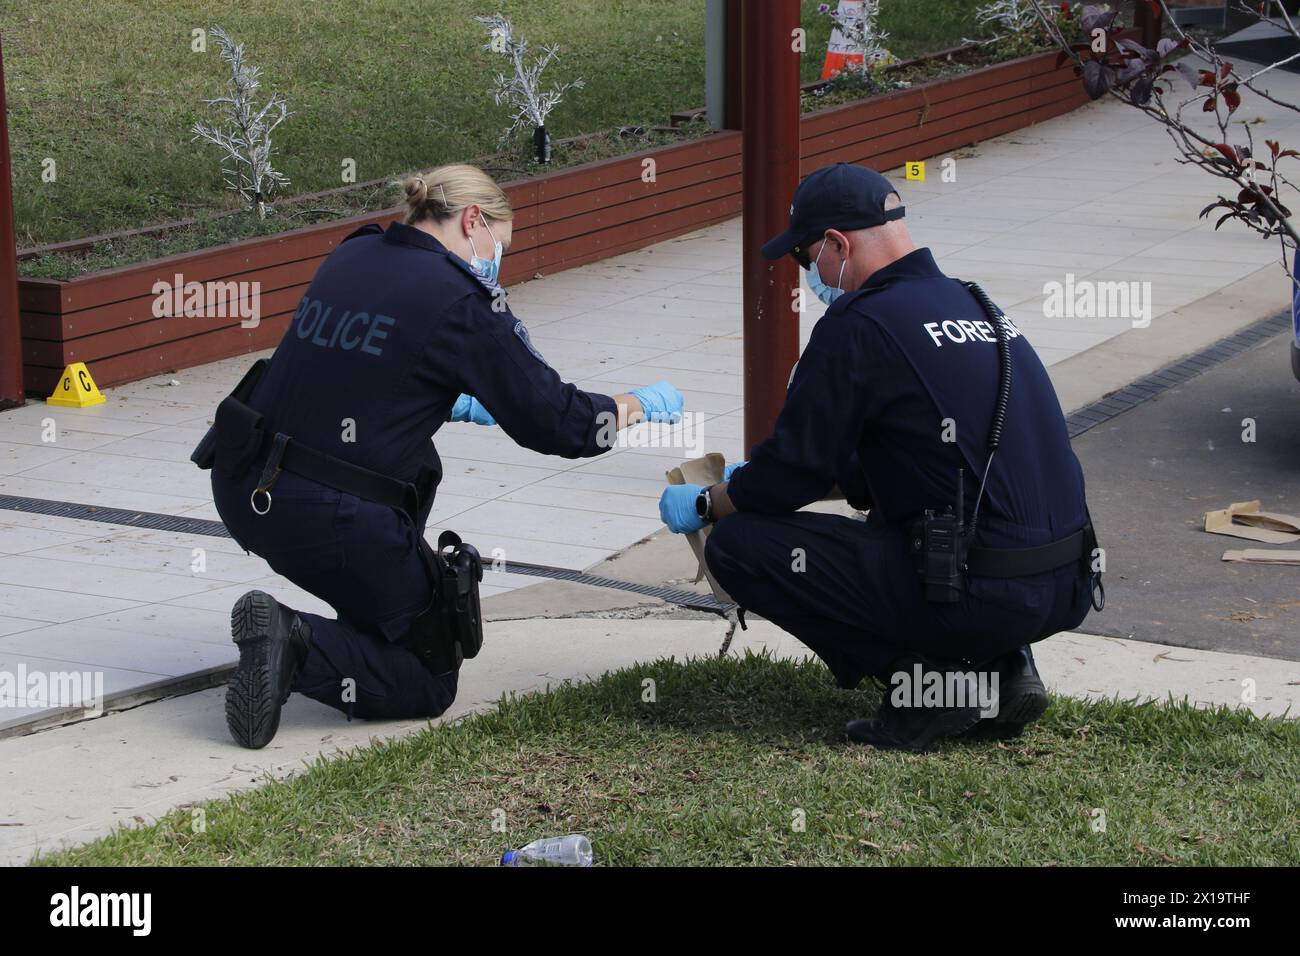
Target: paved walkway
[1096,194]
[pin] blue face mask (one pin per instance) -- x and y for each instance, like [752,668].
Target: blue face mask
[486,269]
[826,293]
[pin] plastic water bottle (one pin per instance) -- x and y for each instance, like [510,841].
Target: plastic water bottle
[572,850]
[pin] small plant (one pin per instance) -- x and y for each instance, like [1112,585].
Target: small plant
[1022,32]
[861,33]
[521,90]
[246,136]
[1014,16]
[855,83]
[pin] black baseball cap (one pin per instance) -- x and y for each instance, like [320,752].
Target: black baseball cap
[844,197]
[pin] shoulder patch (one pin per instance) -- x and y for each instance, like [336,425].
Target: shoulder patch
[528,343]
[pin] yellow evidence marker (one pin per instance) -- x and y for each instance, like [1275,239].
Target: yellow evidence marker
[916,171]
[76,389]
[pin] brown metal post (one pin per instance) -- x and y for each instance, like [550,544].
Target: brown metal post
[11,330]
[770,173]
[1149,21]
[733,118]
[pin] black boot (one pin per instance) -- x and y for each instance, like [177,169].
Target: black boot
[1022,698]
[272,643]
[912,728]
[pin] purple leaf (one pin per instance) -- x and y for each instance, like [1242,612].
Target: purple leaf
[1129,71]
[1093,16]
[1132,46]
[1097,79]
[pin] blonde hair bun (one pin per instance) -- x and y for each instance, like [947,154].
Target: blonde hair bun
[443,192]
[416,190]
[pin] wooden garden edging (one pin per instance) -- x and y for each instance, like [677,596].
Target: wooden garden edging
[562,219]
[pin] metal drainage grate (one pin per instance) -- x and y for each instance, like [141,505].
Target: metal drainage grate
[179,524]
[130,519]
[1149,386]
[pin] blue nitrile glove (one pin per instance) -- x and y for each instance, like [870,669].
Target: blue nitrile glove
[660,401]
[732,468]
[470,409]
[677,508]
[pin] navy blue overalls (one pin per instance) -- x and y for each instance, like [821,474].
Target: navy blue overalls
[392,329]
[894,392]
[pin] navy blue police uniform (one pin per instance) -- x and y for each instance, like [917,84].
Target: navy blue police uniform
[392,329]
[893,394]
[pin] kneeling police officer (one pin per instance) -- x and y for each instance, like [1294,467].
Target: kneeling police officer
[323,465]
[977,541]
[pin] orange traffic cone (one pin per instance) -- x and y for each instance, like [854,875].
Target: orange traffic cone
[841,52]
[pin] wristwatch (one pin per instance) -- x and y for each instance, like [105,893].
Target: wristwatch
[704,506]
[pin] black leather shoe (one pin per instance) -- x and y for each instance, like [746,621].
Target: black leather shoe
[272,642]
[1022,698]
[911,728]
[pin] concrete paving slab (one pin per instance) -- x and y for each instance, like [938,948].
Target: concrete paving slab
[28,602]
[1105,668]
[98,580]
[16,539]
[85,645]
[167,621]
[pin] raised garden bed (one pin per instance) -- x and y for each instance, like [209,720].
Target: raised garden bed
[563,219]
[69,259]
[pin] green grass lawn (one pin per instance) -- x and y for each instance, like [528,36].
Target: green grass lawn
[729,759]
[110,88]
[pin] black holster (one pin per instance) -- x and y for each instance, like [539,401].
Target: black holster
[450,629]
[238,432]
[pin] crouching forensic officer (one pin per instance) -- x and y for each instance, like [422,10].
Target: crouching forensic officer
[322,461]
[924,404]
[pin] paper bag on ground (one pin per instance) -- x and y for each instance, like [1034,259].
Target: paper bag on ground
[1243,519]
[1261,556]
[702,471]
